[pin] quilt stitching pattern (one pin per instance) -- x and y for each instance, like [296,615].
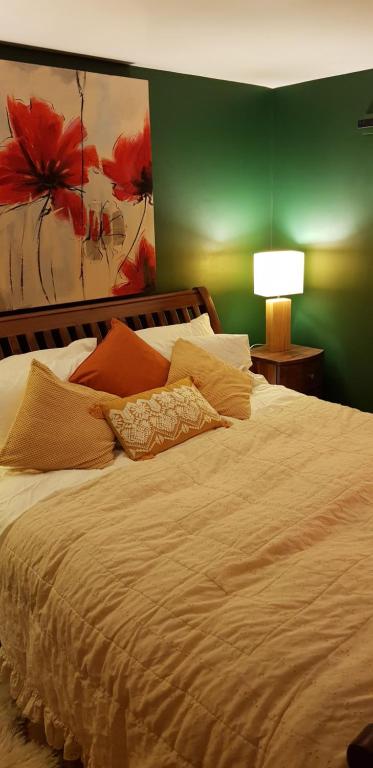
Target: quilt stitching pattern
[197,583]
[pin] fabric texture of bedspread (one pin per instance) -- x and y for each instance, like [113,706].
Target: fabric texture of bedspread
[212,608]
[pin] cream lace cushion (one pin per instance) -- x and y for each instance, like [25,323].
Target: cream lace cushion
[226,388]
[55,427]
[150,422]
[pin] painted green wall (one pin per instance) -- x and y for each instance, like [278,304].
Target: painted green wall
[323,203]
[212,177]
[224,155]
[212,174]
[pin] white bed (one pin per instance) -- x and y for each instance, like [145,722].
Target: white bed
[211,607]
[20,491]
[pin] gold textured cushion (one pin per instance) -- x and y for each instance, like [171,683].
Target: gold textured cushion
[226,388]
[54,428]
[152,421]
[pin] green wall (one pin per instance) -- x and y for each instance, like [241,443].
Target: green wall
[212,179]
[225,155]
[212,175]
[323,203]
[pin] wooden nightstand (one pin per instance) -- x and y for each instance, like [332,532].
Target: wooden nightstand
[299,368]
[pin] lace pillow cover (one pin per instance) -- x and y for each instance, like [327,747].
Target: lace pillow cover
[150,422]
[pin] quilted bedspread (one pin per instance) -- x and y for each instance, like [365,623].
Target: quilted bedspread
[211,608]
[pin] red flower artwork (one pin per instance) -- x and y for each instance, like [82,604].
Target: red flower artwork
[139,273]
[45,159]
[98,225]
[131,169]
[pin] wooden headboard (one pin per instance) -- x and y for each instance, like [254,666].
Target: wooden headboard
[56,327]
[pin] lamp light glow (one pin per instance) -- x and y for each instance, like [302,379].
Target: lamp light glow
[278,273]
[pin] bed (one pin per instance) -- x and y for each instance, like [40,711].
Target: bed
[213,607]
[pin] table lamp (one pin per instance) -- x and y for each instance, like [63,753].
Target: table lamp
[278,274]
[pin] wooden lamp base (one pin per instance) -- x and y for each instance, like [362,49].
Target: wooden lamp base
[278,317]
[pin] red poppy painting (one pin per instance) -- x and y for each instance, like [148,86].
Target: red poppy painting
[137,273]
[76,188]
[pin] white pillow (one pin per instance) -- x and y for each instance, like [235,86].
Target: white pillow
[232,348]
[163,337]
[14,371]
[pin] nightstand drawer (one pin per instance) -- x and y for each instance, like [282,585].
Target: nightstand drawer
[305,376]
[299,368]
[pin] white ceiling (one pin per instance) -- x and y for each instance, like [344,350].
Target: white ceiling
[267,42]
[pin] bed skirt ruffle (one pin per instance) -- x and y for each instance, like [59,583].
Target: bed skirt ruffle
[33,708]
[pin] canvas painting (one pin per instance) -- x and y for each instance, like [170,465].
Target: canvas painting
[76,192]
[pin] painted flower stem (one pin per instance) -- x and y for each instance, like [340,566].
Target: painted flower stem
[133,241]
[43,213]
[81,86]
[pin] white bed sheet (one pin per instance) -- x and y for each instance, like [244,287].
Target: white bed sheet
[20,491]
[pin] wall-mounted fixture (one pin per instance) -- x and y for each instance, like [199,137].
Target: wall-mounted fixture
[365,124]
[278,274]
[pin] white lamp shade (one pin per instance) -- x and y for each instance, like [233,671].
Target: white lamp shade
[278,273]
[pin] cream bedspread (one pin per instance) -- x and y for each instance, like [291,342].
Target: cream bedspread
[210,608]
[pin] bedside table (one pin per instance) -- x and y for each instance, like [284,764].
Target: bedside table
[299,368]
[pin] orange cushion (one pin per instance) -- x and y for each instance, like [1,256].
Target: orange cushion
[123,364]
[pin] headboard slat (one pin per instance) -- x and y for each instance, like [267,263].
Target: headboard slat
[65,336]
[174,316]
[149,321]
[79,330]
[51,326]
[185,314]
[137,323]
[32,342]
[49,339]
[14,345]
[161,317]
[96,331]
